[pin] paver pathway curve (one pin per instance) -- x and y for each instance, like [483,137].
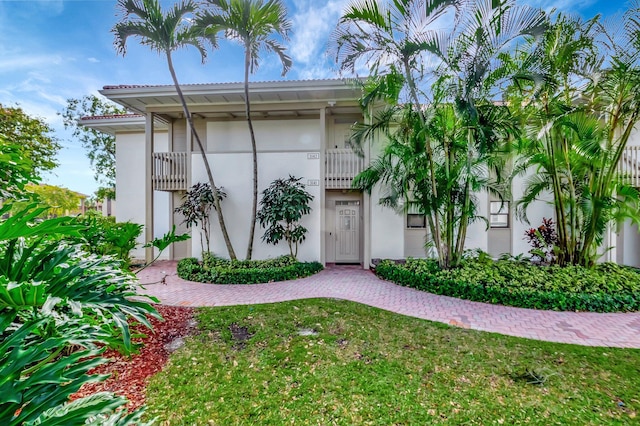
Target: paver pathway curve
[358,285]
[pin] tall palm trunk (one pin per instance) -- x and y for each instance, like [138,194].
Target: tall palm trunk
[466,204]
[254,151]
[434,186]
[214,190]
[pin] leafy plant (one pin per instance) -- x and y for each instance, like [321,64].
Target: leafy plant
[196,207]
[544,240]
[223,271]
[58,307]
[283,204]
[121,239]
[16,171]
[606,287]
[105,237]
[163,243]
[32,137]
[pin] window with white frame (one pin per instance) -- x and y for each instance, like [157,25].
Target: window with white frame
[499,214]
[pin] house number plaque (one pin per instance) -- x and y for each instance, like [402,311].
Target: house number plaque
[313,182]
[313,155]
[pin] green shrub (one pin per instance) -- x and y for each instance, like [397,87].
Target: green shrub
[605,288]
[106,237]
[59,309]
[222,271]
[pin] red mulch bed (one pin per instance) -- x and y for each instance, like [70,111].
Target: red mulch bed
[129,375]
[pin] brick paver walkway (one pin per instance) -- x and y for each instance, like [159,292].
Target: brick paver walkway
[358,285]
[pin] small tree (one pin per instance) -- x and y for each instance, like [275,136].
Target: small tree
[196,209]
[32,136]
[100,147]
[283,204]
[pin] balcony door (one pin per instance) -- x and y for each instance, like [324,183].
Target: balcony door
[347,249]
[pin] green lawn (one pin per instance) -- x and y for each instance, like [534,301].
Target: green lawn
[250,366]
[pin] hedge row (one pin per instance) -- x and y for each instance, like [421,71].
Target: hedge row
[524,297]
[241,272]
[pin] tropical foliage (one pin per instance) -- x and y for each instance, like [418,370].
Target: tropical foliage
[58,307]
[445,132]
[61,201]
[196,207]
[166,32]
[32,137]
[223,271]
[253,24]
[16,171]
[103,236]
[605,288]
[283,205]
[579,92]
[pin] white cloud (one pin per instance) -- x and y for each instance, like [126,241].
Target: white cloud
[564,5]
[312,25]
[22,61]
[93,60]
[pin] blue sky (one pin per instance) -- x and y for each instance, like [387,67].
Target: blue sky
[53,50]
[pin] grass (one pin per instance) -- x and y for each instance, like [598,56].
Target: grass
[249,365]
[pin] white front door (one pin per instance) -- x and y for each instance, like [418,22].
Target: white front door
[347,231]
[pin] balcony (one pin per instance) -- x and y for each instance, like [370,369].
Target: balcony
[169,171]
[629,165]
[341,166]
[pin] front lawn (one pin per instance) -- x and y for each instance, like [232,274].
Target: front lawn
[605,288]
[323,362]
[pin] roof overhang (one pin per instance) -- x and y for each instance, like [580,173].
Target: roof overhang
[113,124]
[221,99]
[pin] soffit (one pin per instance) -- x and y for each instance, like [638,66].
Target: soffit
[212,100]
[111,124]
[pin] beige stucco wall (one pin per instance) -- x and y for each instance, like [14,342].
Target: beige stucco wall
[284,145]
[232,169]
[130,188]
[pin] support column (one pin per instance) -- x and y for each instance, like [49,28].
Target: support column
[323,147]
[366,200]
[189,137]
[171,194]
[148,190]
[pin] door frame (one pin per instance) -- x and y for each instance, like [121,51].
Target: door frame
[354,210]
[331,196]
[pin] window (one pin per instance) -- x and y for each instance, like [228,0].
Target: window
[416,220]
[499,214]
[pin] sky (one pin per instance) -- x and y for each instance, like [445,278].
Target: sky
[54,50]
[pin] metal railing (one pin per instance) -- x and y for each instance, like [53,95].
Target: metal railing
[341,166]
[629,166]
[169,171]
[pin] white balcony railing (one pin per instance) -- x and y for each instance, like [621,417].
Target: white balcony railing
[629,165]
[341,166]
[169,171]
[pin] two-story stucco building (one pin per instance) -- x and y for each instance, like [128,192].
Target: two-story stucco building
[301,130]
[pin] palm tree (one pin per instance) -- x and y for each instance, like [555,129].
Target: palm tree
[252,23]
[165,33]
[461,127]
[580,117]
[388,37]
